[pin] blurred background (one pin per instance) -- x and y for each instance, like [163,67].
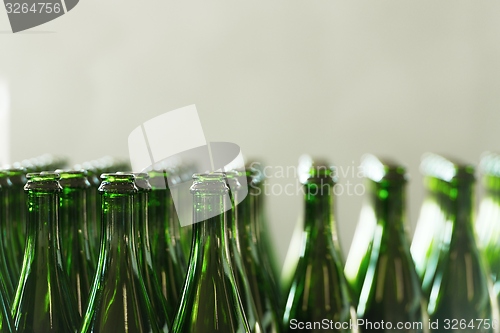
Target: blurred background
[335,79]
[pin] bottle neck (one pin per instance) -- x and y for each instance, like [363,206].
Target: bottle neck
[245,218]
[319,208]
[212,225]
[141,207]
[42,226]
[117,217]
[460,205]
[73,210]
[388,201]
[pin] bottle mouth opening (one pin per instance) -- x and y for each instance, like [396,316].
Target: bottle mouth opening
[71,174]
[117,177]
[213,176]
[42,176]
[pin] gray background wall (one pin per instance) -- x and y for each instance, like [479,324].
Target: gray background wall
[282,78]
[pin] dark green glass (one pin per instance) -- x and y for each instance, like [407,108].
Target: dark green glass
[6,321]
[391,288]
[210,301]
[245,231]
[6,286]
[93,211]
[5,259]
[319,295]
[185,173]
[75,244]
[459,288]
[262,237]
[141,217]
[118,299]
[263,234]
[164,236]
[488,220]
[44,302]
[238,254]
[15,236]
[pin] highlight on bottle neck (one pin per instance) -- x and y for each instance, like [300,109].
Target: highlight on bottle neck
[314,170]
[73,178]
[117,183]
[4,179]
[383,171]
[447,176]
[490,169]
[255,173]
[141,180]
[447,169]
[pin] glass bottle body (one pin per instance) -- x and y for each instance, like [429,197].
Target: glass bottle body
[44,302]
[391,288]
[166,249]
[210,301]
[319,290]
[118,299]
[75,243]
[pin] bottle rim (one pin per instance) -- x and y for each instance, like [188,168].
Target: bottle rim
[70,174]
[117,177]
[42,176]
[209,183]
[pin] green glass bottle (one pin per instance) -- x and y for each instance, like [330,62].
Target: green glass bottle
[459,296]
[237,252]
[118,299]
[6,321]
[164,235]
[263,235]
[6,285]
[15,236]
[245,230]
[93,209]
[391,288]
[75,244]
[210,301]
[319,299]
[44,302]
[185,172]
[488,219]
[5,276]
[306,164]
[141,217]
